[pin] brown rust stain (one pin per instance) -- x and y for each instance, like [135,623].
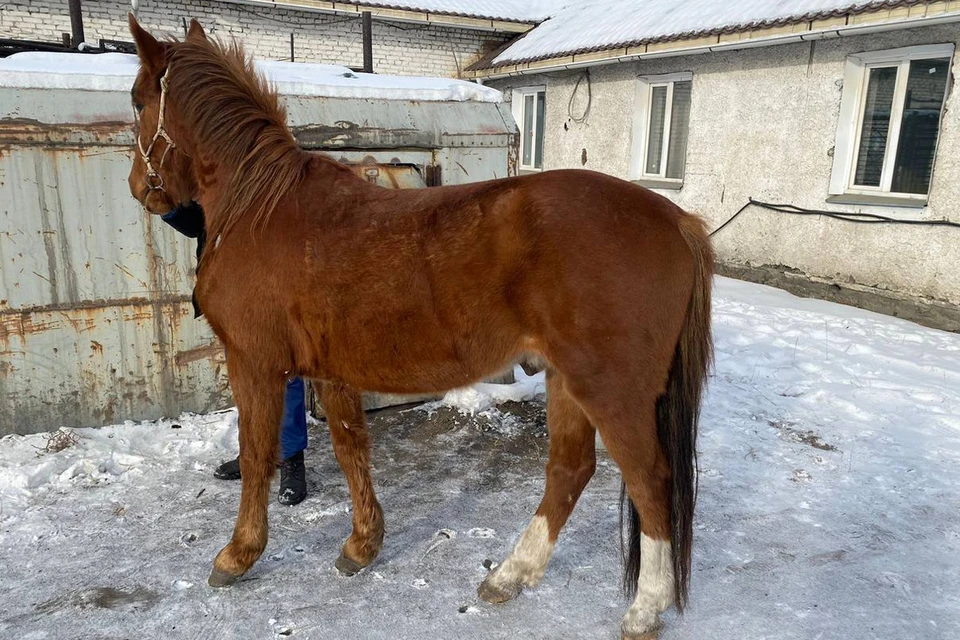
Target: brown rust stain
[16,131]
[349,135]
[213,351]
[166,298]
[389,175]
[82,316]
[22,324]
[513,156]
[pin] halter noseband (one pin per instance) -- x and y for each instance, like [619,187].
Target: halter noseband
[153,179]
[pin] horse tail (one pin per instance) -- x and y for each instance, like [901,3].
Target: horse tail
[678,412]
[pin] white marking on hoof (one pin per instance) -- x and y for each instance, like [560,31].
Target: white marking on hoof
[655,592]
[527,563]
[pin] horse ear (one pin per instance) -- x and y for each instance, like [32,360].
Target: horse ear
[148,48]
[196,31]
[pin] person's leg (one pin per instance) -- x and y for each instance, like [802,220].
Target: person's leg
[293,440]
[293,427]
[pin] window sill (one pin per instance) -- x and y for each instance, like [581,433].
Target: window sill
[653,183]
[887,200]
[526,171]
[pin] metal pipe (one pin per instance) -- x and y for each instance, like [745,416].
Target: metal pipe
[76,22]
[291,47]
[367,21]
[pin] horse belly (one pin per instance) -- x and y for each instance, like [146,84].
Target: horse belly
[417,355]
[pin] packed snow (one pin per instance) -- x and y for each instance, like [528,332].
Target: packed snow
[602,24]
[117,71]
[829,493]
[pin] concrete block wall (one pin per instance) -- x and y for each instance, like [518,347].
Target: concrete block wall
[398,48]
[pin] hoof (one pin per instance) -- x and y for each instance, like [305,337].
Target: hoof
[347,566]
[222,578]
[495,594]
[652,632]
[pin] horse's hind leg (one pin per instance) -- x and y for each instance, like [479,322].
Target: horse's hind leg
[630,436]
[351,446]
[259,400]
[571,463]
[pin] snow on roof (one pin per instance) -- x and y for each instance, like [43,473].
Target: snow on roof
[593,25]
[116,72]
[508,10]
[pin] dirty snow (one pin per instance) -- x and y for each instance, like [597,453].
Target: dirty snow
[116,72]
[829,494]
[601,24]
[481,397]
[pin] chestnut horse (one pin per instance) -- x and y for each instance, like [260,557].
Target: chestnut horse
[311,271]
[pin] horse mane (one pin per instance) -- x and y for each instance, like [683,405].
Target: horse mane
[235,114]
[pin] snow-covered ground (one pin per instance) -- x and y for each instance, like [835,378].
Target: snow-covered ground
[829,501]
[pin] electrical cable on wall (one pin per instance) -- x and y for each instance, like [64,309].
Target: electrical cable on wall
[858,218]
[586,112]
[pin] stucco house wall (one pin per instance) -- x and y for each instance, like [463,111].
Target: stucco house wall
[763,124]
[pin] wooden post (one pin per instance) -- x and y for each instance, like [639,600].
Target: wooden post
[367,42]
[76,22]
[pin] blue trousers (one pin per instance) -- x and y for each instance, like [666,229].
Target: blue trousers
[293,427]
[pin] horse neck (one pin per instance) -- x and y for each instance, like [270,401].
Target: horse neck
[246,182]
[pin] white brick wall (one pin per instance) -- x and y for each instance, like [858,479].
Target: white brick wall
[398,48]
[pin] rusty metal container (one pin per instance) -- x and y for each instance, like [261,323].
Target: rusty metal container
[96,325]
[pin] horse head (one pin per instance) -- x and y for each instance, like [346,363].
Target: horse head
[162,176]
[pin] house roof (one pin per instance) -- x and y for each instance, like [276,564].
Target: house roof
[582,26]
[531,11]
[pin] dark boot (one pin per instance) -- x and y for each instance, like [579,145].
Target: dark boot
[293,480]
[229,470]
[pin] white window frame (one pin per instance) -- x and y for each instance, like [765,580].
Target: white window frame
[856,79]
[641,126]
[516,106]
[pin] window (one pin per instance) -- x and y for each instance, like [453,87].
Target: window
[660,130]
[529,108]
[889,123]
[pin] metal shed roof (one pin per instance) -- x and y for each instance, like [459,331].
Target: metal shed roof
[116,72]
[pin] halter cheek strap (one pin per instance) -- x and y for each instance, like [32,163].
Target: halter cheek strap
[153,179]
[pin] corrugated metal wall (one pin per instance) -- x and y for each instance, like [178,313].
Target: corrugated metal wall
[96,324]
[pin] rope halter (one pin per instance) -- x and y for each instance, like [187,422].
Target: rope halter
[153,179]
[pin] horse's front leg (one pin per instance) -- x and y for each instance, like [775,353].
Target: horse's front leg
[259,399]
[351,445]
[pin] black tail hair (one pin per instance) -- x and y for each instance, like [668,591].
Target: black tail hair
[678,413]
